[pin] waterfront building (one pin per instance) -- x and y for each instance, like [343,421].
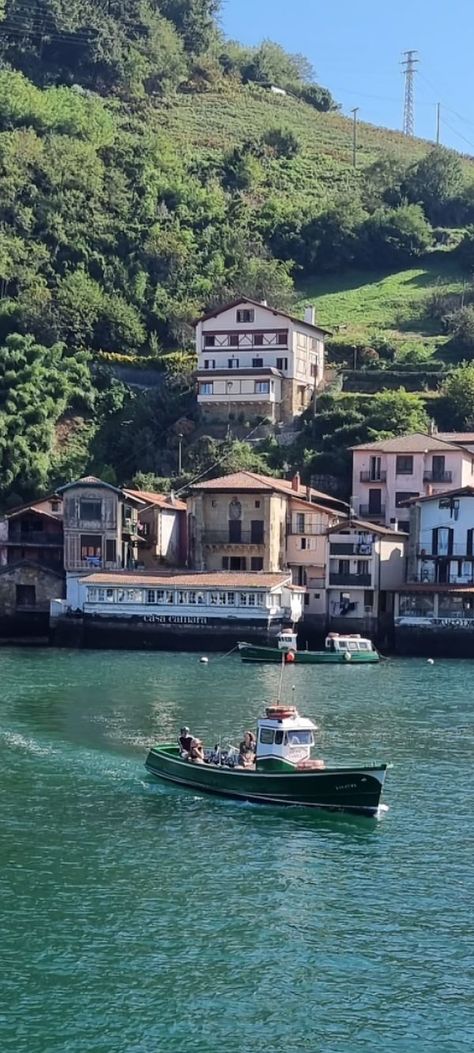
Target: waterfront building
[31,565]
[255,361]
[175,607]
[436,603]
[365,562]
[161,528]
[387,473]
[100,525]
[250,522]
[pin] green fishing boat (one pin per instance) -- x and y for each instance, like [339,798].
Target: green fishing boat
[338,649]
[281,772]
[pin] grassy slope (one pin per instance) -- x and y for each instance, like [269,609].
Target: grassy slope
[206,125]
[366,303]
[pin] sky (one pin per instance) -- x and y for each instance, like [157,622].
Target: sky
[356,48]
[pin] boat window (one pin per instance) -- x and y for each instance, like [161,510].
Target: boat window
[266,736]
[299,738]
[278,738]
[340,645]
[364,646]
[352,645]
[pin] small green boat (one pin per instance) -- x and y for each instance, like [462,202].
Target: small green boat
[338,649]
[281,772]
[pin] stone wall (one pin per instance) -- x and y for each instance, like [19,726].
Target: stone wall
[47,586]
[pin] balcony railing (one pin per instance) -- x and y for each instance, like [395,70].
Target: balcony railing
[35,537]
[339,548]
[222,537]
[437,477]
[370,477]
[293,529]
[368,513]
[424,551]
[364,580]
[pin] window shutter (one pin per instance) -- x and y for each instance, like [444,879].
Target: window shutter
[434,544]
[469,543]
[450,541]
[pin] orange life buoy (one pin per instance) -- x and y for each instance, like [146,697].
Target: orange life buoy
[290,657]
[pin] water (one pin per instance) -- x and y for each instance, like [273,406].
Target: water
[139,917]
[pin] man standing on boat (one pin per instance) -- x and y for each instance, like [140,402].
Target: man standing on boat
[185,742]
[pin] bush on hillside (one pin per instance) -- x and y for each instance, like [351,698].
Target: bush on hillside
[435,183]
[281,142]
[395,236]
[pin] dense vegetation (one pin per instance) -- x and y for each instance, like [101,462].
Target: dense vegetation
[147,173]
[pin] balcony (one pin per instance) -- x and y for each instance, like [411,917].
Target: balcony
[368,513]
[458,550]
[349,548]
[370,477]
[363,580]
[222,537]
[293,530]
[36,538]
[437,477]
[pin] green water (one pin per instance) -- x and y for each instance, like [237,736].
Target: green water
[138,917]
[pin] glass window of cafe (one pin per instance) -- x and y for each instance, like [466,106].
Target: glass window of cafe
[420,605]
[450,606]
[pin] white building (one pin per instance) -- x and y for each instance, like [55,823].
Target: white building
[257,361]
[364,564]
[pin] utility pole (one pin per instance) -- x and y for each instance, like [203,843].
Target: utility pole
[409,64]
[354,135]
[438,121]
[180,454]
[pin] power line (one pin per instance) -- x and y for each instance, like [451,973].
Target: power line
[409,64]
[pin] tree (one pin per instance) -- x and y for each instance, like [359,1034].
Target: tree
[458,393]
[395,236]
[465,250]
[281,142]
[461,324]
[435,182]
[396,413]
[329,241]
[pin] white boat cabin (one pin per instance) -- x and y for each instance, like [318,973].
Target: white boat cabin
[348,642]
[284,738]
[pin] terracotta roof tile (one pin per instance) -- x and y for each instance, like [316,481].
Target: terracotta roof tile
[418,442]
[188,579]
[253,482]
[162,500]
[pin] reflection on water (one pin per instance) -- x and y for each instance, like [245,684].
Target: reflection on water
[136,915]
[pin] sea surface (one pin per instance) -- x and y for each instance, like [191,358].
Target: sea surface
[136,917]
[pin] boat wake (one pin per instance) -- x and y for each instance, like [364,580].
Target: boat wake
[15,740]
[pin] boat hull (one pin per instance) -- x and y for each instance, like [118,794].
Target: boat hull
[251,653]
[356,790]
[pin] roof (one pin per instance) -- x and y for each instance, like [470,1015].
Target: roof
[362,524]
[189,579]
[429,587]
[258,303]
[89,480]
[462,491]
[53,496]
[35,511]
[161,500]
[418,442]
[253,482]
[456,436]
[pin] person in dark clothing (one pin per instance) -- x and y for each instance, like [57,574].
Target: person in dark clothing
[185,741]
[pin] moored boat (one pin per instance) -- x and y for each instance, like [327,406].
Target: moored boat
[338,649]
[282,772]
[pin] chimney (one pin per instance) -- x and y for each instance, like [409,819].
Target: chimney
[310,314]
[295,483]
[308,493]
[433,428]
[264,303]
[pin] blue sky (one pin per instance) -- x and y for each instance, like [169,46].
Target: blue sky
[356,45]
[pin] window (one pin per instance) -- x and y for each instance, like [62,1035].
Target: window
[278,738]
[235,531]
[256,563]
[282,363]
[300,522]
[164,596]
[225,563]
[363,567]
[209,340]
[233,363]
[201,598]
[242,599]
[303,542]
[299,738]
[230,599]
[191,597]
[55,506]
[404,524]
[101,595]
[182,596]
[404,465]
[267,736]
[403,495]
[257,504]
[368,598]
[306,599]
[258,339]
[207,388]
[25,595]
[110,595]
[262,387]
[90,511]
[314,369]
[110,550]
[214,599]
[209,363]
[251,600]
[282,338]
[256,531]
[257,363]
[91,548]
[150,595]
[237,563]
[246,315]
[233,339]
[442,543]
[133,595]
[344,566]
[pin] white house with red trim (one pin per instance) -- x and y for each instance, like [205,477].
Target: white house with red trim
[257,361]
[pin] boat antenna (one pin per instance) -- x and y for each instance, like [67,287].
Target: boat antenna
[281,676]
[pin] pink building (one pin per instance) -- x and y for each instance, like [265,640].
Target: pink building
[388,472]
